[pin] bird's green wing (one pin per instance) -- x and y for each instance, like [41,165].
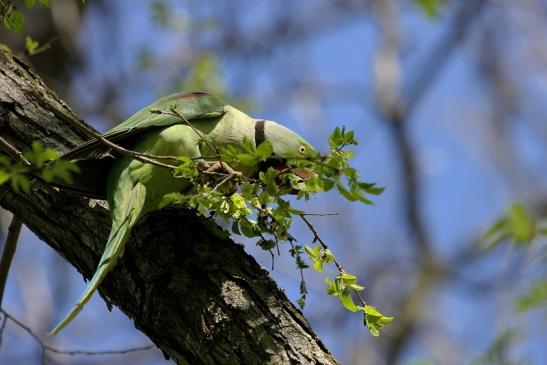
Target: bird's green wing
[191,106]
[94,159]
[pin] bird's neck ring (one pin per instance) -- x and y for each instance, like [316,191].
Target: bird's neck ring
[259,132]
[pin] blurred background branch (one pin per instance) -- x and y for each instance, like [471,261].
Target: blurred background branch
[447,98]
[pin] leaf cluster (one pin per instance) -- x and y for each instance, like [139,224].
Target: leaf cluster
[517,225]
[431,8]
[343,285]
[521,228]
[38,161]
[13,19]
[256,205]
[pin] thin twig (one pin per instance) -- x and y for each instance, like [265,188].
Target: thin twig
[143,157]
[8,252]
[175,113]
[47,348]
[302,280]
[223,181]
[320,240]
[319,214]
[324,245]
[43,47]
[13,151]
[213,148]
[2,327]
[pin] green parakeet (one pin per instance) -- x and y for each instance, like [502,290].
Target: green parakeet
[134,188]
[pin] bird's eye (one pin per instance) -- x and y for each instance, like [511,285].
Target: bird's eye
[302,148]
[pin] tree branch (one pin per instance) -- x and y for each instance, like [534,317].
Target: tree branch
[8,252]
[194,292]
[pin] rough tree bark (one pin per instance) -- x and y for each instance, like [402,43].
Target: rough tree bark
[196,294]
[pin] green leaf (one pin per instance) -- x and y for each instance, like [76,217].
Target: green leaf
[348,278]
[5,48]
[39,155]
[247,190]
[328,184]
[372,311]
[317,265]
[349,138]
[431,8]
[20,183]
[332,288]
[495,234]
[60,169]
[14,21]
[374,320]
[347,301]
[535,297]
[31,45]
[248,228]
[345,193]
[266,244]
[5,161]
[248,146]
[186,169]
[29,4]
[373,330]
[500,348]
[522,225]
[313,253]
[44,3]
[4,176]
[238,201]
[173,198]
[247,159]
[263,151]
[371,188]
[336,139]
[235,228]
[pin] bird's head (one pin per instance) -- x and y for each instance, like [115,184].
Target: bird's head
[286,144]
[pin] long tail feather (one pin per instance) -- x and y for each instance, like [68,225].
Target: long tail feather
[114,248]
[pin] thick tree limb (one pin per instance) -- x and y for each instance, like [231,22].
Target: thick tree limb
[199,297]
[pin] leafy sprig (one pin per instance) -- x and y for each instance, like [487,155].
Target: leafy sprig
[520,227]
[256,204]
[38,161]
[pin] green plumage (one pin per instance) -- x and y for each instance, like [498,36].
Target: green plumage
[134,188]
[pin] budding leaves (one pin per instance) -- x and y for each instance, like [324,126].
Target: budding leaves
[257,206]
[38,161]
[263,151]
[517,225]
[342,287]
[319,257]
[375,320]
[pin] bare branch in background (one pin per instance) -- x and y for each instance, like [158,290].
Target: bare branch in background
[46,348]
[396,106]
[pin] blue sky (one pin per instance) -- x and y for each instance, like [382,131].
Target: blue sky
[313,85]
